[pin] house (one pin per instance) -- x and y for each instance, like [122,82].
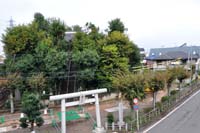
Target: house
[69,35]
[142,55]
[142,52]
[162,57]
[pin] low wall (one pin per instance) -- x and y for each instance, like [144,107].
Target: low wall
[109,97]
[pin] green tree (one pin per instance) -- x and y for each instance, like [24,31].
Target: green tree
[31,108]
[55,63]
[116,25]
[129,85]
[22,39]
[76,28]
[41,21]
[93,32]
[181,74]
[125,47]
[110,63]
[24,64]
[117,53]
[169,77]
[87,62]
[37,83]
[15,81]
[57,31]
[82,41]
[36,47]
[156,83]
[86,58]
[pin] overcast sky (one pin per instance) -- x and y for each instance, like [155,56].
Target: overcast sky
[150,23]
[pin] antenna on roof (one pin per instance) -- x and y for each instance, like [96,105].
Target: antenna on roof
[183,45]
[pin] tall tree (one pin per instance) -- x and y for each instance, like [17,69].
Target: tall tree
[156,83]
[21,39]
[86,58]
[181,74]
[41,21]
[15,81]
[110,63]
[126,48]
[37,47]
[169,77]
[116,25]
[57,30]
[37,83]
[130,85]
[94,33]
[76,28]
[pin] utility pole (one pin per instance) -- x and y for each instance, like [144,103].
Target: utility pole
[68,37]
[11,23]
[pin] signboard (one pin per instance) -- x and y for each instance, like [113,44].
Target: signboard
[135,101]
[135,107]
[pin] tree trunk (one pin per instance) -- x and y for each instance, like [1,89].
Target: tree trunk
[154,99]
[168,91]
[120,96]
[32,126]
[17,95]
[11,102]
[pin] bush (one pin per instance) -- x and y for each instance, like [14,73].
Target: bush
[110,118]
[7,104]
[158,105]
[39,121]
[146,110]
[45,96]
[23,123]
[173,92]
[164,99]
[127,119]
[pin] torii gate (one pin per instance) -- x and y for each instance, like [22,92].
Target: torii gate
[82,94]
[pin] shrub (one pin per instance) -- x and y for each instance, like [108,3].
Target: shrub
[44,96]
[127,118]
[158,105]
[31,107]
[173,92]
[164,99]
[39,121]
[23,123]
[110,118]
[148,109]
[7,104]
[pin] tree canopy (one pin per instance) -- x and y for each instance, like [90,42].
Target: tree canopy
[116,25]
[38,52]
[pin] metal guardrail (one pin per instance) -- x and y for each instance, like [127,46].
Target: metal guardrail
[146,119]
[164,108]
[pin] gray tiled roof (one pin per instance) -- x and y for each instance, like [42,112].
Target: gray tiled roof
[174,53]
[141,49]
[69,35]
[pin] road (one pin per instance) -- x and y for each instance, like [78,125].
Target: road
[184,119]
